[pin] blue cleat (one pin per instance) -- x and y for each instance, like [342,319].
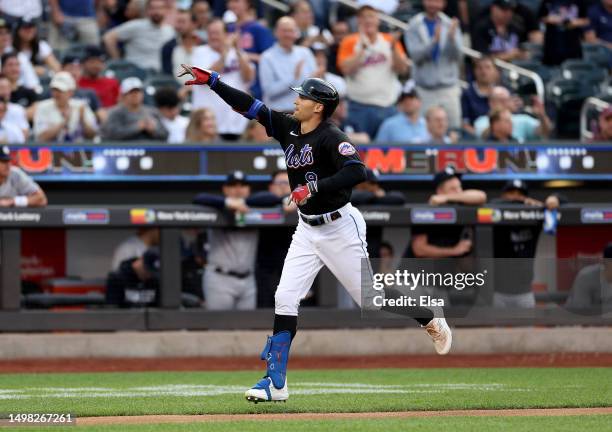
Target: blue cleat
[273,386]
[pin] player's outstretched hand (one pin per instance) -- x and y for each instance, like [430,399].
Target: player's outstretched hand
[200,76]
[301,194]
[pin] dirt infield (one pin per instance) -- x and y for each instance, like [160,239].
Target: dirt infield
[253,363]
[86,421]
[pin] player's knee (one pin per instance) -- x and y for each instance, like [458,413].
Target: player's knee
[286,303]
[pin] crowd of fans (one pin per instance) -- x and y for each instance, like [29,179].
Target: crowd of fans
[75,70]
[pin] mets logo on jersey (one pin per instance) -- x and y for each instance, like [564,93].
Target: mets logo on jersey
[297,160]
[346,149]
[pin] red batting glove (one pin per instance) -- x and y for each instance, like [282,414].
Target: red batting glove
[301,194]
[200,76]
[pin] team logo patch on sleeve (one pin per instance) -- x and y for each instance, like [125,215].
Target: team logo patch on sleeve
[346,149]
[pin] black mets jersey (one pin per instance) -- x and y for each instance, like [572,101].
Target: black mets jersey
[313,156]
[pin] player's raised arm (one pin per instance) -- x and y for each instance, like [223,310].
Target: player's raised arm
[241,102]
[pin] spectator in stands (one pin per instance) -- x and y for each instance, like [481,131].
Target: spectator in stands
[434,44]
[500,129]
[72,65]
[223,53]
[320,52]
[17,189]
[370,192]
[38,51]
[370,62]
[24,96]
[513,277]
[135,246]
[254,38]
[341,120]
[339,30]
[73,21]
[566,21]
[592,287]
[27,74]
[107,89]
[63,118]
[229,281]
[10,133]
[169,106]
[301,12]
[13,10]
[443,241]
[600,24]
[202,126]
[475,99]
[15,113]
[437,127]
[180,49]
[131,120]
[283,66]
[200,9]
[524,126]
[604,133]
[256,132]
[500,35]
[271,253]
[407,126]
[142,38]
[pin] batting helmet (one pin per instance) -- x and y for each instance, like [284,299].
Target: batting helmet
[319,91]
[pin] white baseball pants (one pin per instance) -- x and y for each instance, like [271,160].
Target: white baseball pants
[340,245]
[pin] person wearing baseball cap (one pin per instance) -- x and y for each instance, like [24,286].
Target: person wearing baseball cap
[445,241]
[17,189]
[592,287]
[131,119]
[604,134]
[229,275]
[63,118]
[93,78]
[408,125]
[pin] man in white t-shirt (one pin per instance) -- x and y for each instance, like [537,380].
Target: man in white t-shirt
[223,54]
[169,107]
[371,61]
[62,118]
[143,38]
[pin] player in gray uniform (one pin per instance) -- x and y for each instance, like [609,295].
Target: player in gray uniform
[229,276]
[17,189]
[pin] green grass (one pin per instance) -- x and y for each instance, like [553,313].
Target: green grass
[311,391]
[600,423]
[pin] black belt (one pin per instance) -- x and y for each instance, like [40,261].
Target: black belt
[232,273]
[320,220]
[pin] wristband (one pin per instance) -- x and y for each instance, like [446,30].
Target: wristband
[21,201]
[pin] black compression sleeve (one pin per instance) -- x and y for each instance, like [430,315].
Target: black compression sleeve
[347,177]
[235,98]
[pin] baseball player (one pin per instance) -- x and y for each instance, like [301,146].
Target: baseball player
[323,167]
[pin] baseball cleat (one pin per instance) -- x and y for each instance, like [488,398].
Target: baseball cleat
[264,391]
[440,333]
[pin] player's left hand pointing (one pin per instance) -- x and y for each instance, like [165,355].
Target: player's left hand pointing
[301,194]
